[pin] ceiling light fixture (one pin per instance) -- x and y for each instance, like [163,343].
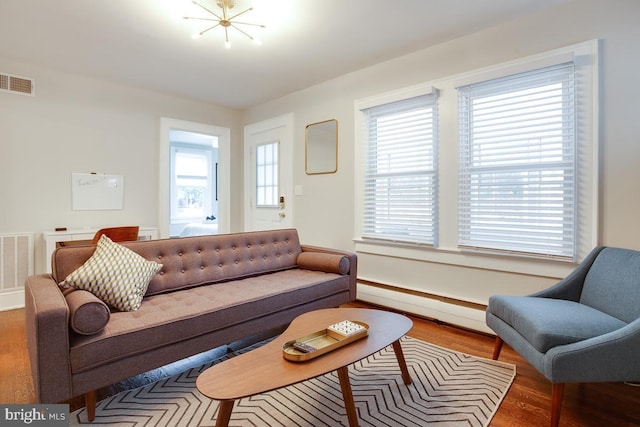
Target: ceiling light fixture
[225,20]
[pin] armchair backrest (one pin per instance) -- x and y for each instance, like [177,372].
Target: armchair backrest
[612,284]
[118,234]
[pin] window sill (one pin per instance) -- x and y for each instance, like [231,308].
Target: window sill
[548,268]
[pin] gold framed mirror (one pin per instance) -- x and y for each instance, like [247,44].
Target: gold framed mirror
[321,147]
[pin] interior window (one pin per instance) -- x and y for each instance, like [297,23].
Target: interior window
[401,176]
[194,201]
[517,163]
[513,167]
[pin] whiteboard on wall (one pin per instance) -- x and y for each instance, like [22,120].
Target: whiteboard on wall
[91,191]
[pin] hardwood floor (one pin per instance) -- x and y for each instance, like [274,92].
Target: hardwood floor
[527,403]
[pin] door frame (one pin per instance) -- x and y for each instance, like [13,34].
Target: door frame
[224,168]
[284,121]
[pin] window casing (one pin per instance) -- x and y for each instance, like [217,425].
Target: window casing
[448,247]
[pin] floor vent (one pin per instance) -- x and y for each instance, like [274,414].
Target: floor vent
[16,261]
[15,84]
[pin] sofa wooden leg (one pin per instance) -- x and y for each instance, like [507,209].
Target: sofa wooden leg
[497,348]
[557,391]
[90,404]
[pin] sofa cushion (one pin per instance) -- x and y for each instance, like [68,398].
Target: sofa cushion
[546,323]
[331,263]
[115,274]
[88,314]
[175,317]
[194,261]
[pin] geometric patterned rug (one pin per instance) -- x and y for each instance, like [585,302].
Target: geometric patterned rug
[449,388]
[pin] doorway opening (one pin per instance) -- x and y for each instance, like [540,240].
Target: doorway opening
[194,179]
[194,184]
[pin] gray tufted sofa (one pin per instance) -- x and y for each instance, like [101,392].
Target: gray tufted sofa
[211,290]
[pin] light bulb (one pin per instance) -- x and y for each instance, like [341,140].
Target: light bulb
[227,44]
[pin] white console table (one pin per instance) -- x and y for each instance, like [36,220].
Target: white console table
[52,238]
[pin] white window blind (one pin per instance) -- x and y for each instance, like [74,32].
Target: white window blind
[400,179]
[517,171]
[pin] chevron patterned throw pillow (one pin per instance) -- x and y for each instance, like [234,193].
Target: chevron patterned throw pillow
[115,274]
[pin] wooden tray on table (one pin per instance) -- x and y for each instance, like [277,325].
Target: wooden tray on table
[323,341]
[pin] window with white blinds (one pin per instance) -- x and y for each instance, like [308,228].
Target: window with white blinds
[517,163]
[400,189]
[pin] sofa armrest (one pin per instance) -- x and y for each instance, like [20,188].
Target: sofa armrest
[329,263]
[611,357]
[353,264]
[47,330]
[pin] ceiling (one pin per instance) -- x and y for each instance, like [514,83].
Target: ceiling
[146,43]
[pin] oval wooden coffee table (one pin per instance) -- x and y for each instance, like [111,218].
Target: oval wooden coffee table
[265,369]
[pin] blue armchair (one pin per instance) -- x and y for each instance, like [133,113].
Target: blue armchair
[585,328]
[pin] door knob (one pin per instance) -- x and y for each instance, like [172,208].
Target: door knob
[282,214]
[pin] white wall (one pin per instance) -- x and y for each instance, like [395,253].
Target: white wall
[324,214]
[78,124]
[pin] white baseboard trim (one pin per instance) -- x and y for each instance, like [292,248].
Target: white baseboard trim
[467,317]
[12,300]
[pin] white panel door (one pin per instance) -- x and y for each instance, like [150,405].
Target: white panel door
[268,174]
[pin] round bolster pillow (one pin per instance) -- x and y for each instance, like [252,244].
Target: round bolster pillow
[88,314]
[330,263]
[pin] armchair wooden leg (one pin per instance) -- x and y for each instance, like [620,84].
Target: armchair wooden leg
[497,348]
[557,391]
[90,404]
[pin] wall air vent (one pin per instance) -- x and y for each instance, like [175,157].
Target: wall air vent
[15,84]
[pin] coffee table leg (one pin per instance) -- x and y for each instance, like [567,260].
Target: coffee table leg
[224,413]
[347,396]
[403,364]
